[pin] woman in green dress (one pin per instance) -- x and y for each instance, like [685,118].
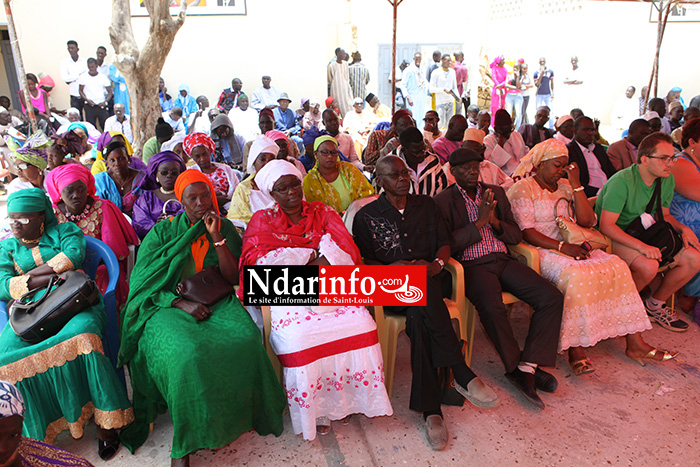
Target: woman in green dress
[205,365]
[65,379]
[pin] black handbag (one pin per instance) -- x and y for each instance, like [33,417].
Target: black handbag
[207,287]
[661,234]
[35,321]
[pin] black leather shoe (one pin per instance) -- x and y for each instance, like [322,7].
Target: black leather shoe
[525,382]
[545,381]
[107,449]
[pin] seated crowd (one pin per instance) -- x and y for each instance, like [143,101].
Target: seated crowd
[254,183]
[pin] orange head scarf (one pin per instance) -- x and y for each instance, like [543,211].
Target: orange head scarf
[200,246]
[190,176]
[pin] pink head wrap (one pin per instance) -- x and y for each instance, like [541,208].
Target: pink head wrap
[47,81]
[64,175]
[276,135]
[198,139]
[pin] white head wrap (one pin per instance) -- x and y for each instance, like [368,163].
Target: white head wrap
[11,402]
[273,171]
[177,138]
[651,115]
[261,144]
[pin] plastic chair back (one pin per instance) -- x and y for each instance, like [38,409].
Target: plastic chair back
[96,253]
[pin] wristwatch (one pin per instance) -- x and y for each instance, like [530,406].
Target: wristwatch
[440,262]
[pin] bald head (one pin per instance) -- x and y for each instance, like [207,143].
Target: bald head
[456,128]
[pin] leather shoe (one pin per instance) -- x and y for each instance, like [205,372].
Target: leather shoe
[479,394]
[436,432]
[525,382]
[545,381]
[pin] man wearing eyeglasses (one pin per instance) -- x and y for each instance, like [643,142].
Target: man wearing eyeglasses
[623,199]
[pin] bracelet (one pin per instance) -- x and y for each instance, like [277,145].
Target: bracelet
[221,243]
[579,188]
[561,244]
[440,262]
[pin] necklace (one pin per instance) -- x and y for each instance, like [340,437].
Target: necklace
[166,192]
[79,217]
[31,241]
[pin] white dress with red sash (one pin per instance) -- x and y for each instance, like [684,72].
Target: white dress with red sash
[331,356]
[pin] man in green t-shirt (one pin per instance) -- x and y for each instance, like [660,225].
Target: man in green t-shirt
[625,197]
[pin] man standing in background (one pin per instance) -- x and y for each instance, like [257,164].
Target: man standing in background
[544,82]
[359,76]
[71,69]
[443,84]
[462,75]
[339,80]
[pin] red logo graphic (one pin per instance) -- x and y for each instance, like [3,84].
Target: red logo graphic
[372,285]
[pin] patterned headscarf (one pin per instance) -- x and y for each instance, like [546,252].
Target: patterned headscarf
[33,151]
[11,402]
[544,151]
[198,139]
[64,175]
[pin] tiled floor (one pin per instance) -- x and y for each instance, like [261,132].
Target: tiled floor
[623,414]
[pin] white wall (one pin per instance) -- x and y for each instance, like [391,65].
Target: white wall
[294,41]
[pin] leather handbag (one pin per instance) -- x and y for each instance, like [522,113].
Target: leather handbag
[573,233]
[35,321]
[660,234]
[207,287]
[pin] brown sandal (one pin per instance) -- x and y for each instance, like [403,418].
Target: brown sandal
[581,367]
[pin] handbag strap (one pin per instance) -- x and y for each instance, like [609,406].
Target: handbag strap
[568,203]
[655,199]
[26,306]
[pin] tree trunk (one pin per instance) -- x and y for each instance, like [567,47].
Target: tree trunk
[664,11]
[141,69]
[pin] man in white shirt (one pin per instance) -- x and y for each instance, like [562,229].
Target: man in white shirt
[245,119]
[71,69]
[197,122]
[443,85]
[102,66]
[120,122]
[265,96]
[175,120]
[96,90]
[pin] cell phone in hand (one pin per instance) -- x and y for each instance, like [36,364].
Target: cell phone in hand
[586,246]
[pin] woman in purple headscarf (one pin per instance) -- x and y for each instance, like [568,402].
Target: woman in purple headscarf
[498,91]
[158,200]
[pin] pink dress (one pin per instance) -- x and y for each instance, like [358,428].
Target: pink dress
[499,75]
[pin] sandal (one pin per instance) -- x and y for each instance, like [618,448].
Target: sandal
[581,367]
[107,449]
[666,355]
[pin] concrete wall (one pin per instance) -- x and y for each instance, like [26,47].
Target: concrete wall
[294,41]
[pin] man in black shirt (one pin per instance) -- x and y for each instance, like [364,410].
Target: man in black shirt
[400,228]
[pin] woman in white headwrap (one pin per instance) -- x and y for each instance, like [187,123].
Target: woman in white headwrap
[600,298]
[332,361]
[248,198]
[18,451]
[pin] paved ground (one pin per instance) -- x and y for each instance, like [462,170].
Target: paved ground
[623,414]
